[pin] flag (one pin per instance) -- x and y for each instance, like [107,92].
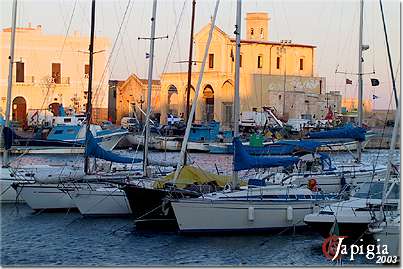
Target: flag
[374,97]
[374,82]
[349,81]
[147,55]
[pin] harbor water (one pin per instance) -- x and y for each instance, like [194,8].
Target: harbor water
[68,239]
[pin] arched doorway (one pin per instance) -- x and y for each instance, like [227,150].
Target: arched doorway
[227,100]
[173,100]
[208,96]
[19,113]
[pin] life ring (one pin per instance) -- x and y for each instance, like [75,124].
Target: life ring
[313,185]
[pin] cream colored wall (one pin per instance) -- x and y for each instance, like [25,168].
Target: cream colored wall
[351,104]
[251,93]
[38,51]
[257,21]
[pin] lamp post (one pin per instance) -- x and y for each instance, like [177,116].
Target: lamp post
[282,50]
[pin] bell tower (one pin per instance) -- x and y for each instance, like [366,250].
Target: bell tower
[257,26]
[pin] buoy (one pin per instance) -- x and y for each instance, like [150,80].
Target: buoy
[251,213]
[289,213]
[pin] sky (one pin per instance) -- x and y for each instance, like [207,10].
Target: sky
[330,25]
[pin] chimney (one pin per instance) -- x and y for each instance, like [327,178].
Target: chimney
[257,26]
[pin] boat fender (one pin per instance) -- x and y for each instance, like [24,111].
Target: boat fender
[251,213]
[165,207]
[227,188]
[316,208]
[290,213]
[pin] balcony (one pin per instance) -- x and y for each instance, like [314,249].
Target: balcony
[59,80]
[27,80]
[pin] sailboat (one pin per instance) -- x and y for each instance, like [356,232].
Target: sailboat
[51,188]
[150,205]
[250,208]
[372,205]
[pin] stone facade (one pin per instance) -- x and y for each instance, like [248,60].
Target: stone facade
[53,69]
[131,97]
[267,70]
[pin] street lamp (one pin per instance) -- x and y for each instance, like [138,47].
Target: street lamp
[280,51]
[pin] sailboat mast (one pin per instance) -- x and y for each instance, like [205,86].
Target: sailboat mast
[235,178]
[389,57]
[89,94]
[360,86]
[10,75]
[194,104]
[189,82]
[391,151]
[149,88]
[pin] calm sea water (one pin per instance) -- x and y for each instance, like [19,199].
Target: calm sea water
[68,239]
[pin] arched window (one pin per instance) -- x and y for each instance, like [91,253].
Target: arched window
[251,31]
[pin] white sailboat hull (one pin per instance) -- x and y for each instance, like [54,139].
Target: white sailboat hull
[198,146]
[8,194]
[46,196]
[104,201]
[198,215]
[331,183]
[389,234]
[348,146]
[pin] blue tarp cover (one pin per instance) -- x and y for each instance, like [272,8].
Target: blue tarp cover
[244,161]
[95,150]
[285,147]
[348,131]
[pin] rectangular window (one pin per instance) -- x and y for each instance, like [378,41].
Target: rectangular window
[278,63]
[56,73]
[227,114]
[87,71]
[259,61]
[301,64]
[240,60]
[211,60]
[20,72]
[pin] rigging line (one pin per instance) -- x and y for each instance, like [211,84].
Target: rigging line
[68,28]
[121,43]
[112,50]
[383,129]
[128,39]
[286,19]
[321,56]
[174,37]
[114,60]
[62,13]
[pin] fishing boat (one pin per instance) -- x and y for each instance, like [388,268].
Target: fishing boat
[66,139]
